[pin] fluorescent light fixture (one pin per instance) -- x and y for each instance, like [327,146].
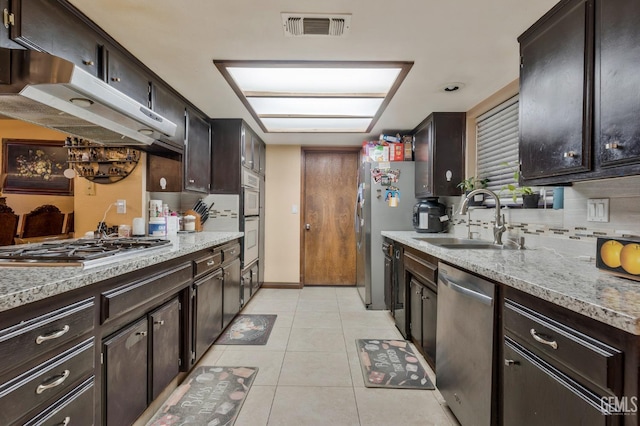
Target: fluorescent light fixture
[305,96]
[354,107]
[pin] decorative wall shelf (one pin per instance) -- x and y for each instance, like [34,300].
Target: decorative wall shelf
[102,164]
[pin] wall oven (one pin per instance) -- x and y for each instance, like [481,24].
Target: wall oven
[251,235]
[250,193]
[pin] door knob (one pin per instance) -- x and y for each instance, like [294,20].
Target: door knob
[307,226]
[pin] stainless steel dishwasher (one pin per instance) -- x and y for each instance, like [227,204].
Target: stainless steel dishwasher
[465,344]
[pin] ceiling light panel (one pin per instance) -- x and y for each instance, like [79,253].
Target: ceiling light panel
[306,125]
[315,80]
[352,107]
[307,96]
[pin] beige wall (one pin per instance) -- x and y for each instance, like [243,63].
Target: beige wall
[24,203]
[282,228]
[89,209]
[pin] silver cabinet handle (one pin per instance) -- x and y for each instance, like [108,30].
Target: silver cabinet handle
[116,79]
[160,322]
[537,338]
[613,145]
[52,384]
[65,422]
[307,226]
[89,63]
[141,333]
[569,154]
[232,252]
[510,362]
[51,336]
[211,262]
[191,180]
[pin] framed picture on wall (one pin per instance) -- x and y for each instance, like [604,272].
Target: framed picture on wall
[35,167]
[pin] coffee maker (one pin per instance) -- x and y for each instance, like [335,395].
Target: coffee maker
[430,216]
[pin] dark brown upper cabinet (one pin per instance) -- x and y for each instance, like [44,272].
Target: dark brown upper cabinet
[439,154]
[123,74]
[556,73]
[617,106]
[169,105]
[234,147]
[577,80]
[197,156]
[47,26]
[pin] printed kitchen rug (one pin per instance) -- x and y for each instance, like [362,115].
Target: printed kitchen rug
[248,330]
[209,396]
[391,364]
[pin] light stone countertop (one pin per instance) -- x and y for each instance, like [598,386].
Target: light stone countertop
[20,285]
[573,283]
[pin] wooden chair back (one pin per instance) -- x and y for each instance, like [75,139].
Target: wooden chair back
[8,225]
[44,220]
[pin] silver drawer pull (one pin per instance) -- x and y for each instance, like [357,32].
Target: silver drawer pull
[141,333]
[65,422]
[52,384]
[613,145]
[211,262]
[51,336]
[537,338]
[160,322]
[569,154]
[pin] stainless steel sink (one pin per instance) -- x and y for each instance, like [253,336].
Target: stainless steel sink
[465,243]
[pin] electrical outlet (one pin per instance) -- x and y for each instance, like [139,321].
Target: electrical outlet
[122,206]
[598,210]
[89,187]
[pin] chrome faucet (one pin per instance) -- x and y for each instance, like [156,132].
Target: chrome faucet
[499,226]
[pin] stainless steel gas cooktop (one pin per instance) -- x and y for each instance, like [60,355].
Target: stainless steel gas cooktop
[82,252]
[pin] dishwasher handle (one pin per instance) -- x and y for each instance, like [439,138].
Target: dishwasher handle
[460,287]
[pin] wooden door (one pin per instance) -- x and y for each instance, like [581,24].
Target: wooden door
[328,235]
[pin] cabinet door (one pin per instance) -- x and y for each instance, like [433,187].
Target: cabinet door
[170,106]
[537,394]
[165,346]
[556,74]
[424,162]
[263,158]
[231,292]
[126,76]
[415,300]
[125,374]
[197,158]
[208,312]
[246,147]
[388,283]
[617,108]
[47,26]
[429,323]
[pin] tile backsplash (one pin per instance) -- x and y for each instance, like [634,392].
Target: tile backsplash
[567,230]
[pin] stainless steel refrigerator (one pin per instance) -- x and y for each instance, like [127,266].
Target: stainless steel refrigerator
[375,213]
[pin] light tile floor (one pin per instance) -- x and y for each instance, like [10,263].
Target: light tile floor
[309,372]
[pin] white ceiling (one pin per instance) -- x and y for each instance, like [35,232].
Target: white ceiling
[468,41]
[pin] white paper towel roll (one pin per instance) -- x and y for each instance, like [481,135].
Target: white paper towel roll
[138,226]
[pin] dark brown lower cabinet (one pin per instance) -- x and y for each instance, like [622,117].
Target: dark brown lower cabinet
[76,408]
[125,374]
[208,312]
[165,346]
[536,393]
[424,312]
[231,293]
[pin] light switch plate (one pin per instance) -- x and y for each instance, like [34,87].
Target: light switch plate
[598,210]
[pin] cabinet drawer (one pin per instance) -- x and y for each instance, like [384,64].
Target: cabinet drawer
[25,341]
[423,268]
[583,354]
[230,252]
[207,263]
[130,296]
[75,408]
[45,382]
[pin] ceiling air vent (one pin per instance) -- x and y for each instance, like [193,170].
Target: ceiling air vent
[315,24]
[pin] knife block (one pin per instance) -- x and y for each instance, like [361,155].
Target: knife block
[198,218]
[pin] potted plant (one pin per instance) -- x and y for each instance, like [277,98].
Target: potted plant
[530,199]
[471,183]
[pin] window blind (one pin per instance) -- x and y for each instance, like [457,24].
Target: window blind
[497,143]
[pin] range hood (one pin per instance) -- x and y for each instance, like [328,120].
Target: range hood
[55,93]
